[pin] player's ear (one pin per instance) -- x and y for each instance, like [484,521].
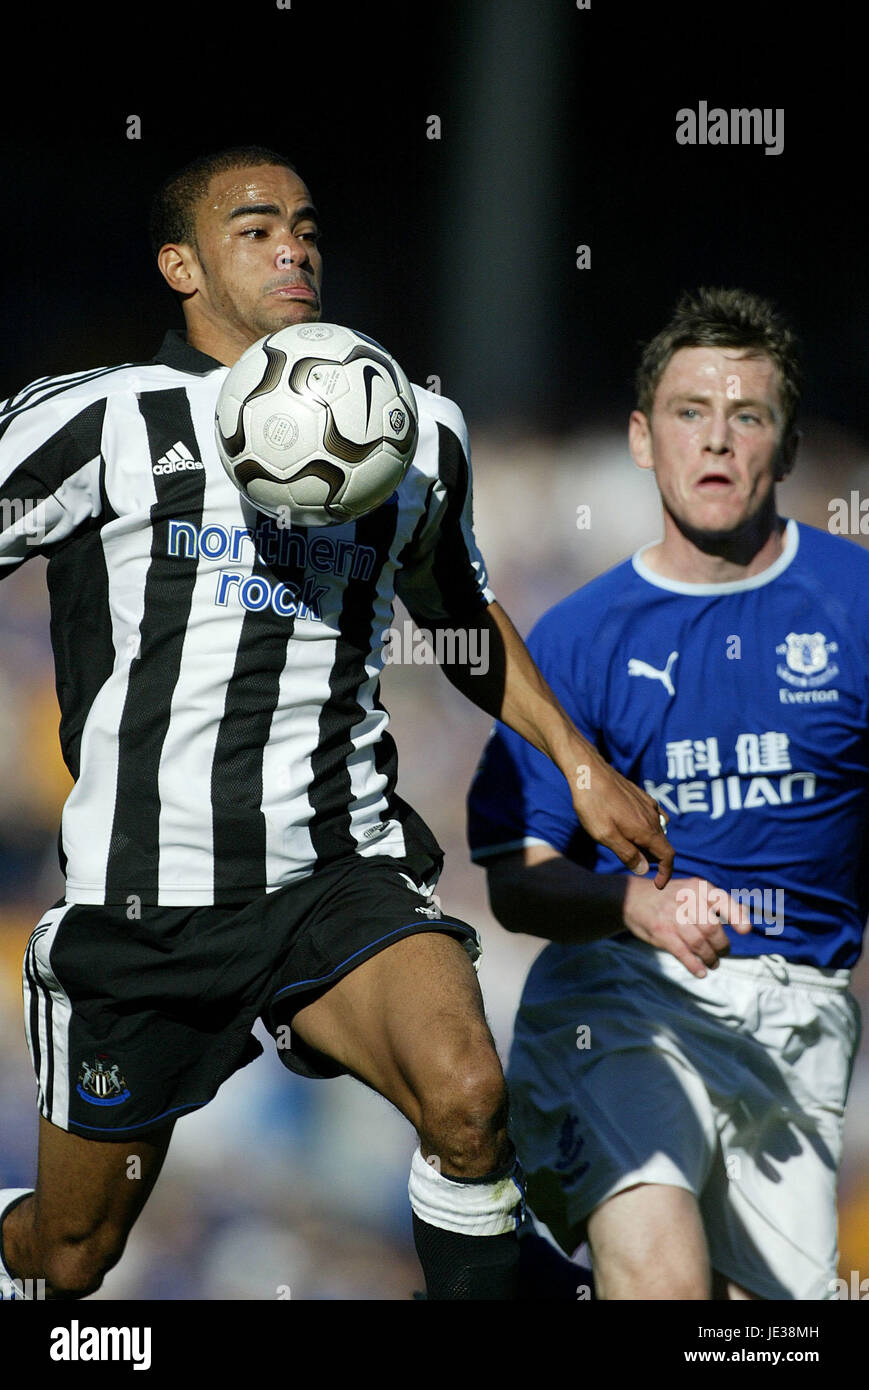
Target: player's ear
[787,455]
[179,266]
[640,440]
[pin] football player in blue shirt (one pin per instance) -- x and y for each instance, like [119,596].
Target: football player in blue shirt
[682,1057]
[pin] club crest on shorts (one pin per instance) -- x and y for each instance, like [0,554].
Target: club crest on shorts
[570,1145]
[100,1082]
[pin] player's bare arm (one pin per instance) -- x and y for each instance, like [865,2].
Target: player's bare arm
[538,891]
[616,813]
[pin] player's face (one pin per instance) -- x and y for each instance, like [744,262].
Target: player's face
[257,234]
[714,439]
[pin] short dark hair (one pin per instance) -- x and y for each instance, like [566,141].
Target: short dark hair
[173,208]
[725,318]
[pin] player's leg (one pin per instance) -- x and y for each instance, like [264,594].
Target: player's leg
[129,1021]
[409,1021]
[87,1198]
[648,1242]
[614,1126]
[770,1210]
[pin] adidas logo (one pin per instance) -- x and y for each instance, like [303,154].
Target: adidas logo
[176,460]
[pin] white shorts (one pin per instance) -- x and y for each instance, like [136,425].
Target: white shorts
[627,1069]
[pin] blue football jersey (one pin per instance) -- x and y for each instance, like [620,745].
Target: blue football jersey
[743,708]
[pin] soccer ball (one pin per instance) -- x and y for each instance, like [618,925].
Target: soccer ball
[316,424]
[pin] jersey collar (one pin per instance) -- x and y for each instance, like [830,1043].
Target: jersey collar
[175,351]
[732,586]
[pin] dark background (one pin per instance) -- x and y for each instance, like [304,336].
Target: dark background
[558,128]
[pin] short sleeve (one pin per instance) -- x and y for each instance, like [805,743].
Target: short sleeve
[442,577]
[50,454]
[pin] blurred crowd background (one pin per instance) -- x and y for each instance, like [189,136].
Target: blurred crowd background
[285,1184]
[455,242]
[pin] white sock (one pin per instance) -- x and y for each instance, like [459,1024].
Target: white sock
[474,1208]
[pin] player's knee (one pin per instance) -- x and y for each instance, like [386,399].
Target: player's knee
[660,1275]
[464,1112]
[74,1267]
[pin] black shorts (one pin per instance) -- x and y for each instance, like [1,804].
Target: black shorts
[134,1021]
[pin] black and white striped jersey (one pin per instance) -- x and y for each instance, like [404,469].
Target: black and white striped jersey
[218,675]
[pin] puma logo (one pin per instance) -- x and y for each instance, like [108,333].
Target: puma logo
[642,668]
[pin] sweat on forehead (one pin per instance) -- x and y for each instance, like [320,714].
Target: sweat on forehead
[249,187]
[734,370]
[200,185]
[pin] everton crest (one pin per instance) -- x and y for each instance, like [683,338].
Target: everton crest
[100,1082]
[807,659]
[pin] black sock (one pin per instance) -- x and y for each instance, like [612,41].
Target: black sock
[467,1267]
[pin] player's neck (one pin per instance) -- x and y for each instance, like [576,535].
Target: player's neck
[679,556]
[216,340]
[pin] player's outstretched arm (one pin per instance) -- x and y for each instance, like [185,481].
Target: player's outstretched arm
[538,891]
[613,811]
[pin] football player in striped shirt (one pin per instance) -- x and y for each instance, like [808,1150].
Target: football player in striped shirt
[234,845]
[681,1059]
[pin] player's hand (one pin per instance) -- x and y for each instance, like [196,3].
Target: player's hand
[685,918]
[622,817]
